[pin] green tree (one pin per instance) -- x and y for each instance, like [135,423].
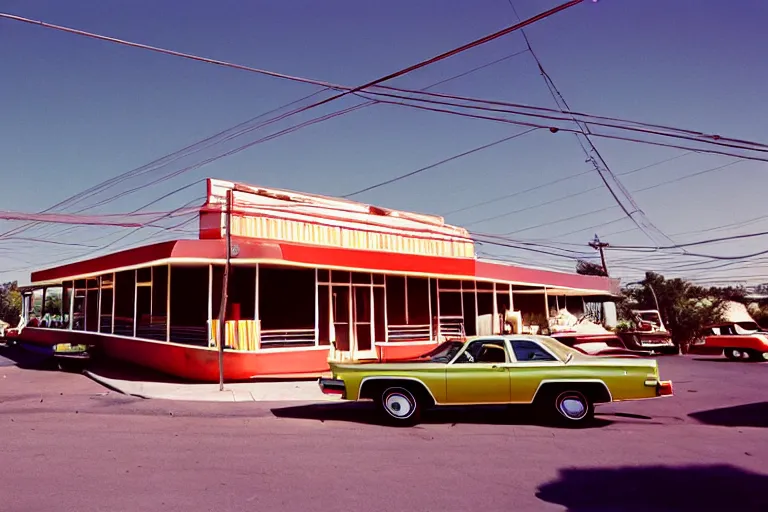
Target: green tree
[685,308]
[10,302]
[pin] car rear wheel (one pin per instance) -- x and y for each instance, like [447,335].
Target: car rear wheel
[739,354]
[574,407]
[400,406]
[566,406]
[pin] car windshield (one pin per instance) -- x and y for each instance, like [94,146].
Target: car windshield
[444,352]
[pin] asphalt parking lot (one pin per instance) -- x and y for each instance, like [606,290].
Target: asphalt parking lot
[70,444]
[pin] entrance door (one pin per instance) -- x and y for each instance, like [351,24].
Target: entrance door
[340,311]
[362,315]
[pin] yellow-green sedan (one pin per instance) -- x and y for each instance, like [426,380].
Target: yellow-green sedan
[560,381]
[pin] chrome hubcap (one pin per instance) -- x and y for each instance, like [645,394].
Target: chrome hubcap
[572,406]
[398,405]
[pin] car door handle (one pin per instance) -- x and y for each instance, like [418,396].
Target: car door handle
[494,367]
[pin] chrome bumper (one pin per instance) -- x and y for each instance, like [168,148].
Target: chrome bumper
[332,386]
[663,387]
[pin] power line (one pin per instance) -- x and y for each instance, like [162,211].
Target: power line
[585,132]
[759,147]
[692,244]
[349,90]
[698,135]
[157,163]
[409,69]
[602,209]
[562,198]
[555,129]
[517,193]
[436,164]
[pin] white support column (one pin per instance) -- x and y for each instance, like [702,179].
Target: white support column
[168,307]
[114,299]
[405,280]
[98,298]
[135,298]
[429,305]
[386,317]
[437,302]
[495,311]
[151,295]
[317,311]
[256,307]
[71,307]
[210,303]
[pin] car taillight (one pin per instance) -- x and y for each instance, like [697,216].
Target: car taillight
[664,388]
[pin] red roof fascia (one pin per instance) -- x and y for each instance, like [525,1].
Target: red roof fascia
[324,257]
[110,261]
[502,272]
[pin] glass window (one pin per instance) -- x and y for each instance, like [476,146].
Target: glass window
[340,277]
[448,284]
[287,298]
[189,305]
[92,310]
[78,315]
[125,290]
[484,351]
[396,300]
[53,302]
[324,314]
[241,294]
[37,303]
[144,275]
[159,316]
[361,278]
[144,312]
[105,324]
[526,350]
[66,302]
[418,300]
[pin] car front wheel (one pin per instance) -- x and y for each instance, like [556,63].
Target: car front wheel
[400,406]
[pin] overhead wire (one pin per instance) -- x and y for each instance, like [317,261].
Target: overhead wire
[585,133]
[436,164]
[348,89]
[315,82]
[599,210]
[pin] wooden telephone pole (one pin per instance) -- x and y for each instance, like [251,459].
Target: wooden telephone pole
[224,289]
[600,246]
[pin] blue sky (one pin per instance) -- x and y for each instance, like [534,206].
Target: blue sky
[78,111]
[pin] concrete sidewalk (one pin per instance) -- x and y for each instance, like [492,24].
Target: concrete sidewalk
[298,391]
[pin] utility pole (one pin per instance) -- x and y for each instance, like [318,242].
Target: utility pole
[225,286]
[600,246]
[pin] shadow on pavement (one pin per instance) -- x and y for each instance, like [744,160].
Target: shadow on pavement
[747,415]
[721,359]
[365,413]
[658,488]
[13,355]
[130,372]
